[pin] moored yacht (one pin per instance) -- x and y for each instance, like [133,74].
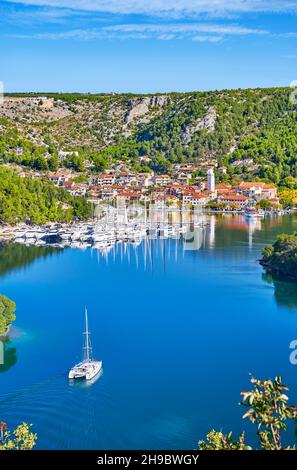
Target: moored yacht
[88,368]
[252,212]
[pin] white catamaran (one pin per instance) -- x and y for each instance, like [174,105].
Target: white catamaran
[88,367]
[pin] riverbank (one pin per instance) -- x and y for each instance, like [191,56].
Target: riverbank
[280,258]
[278,273]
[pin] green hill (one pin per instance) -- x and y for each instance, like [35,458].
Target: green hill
[226,126]
[36,201]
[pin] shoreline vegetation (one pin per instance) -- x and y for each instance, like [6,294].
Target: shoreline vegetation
[7,314]
[37,201]
[280,258]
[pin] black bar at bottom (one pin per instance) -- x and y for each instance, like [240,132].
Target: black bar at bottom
[135,459]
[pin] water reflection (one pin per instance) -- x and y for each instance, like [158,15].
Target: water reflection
[10,357]
[285,292]
[201,232]
[15,256]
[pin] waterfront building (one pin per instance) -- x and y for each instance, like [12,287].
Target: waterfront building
[235,200]
[257,190]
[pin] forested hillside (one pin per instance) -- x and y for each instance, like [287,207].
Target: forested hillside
[36,201]
[228,126]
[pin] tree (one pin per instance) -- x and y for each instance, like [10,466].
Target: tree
[36,201]
[7,316]
[100,163]
[53,163]
[288,197]
[264,204]
[268,409]
[290,182]
[281,257]
[21,439]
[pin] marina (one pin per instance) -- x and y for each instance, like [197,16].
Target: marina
[111,230]
[116,228]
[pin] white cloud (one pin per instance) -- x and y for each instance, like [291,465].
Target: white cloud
[180,8]
[199,32]
[41,15]
[186,28]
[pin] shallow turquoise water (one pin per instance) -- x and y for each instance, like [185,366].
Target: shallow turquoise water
[178,331]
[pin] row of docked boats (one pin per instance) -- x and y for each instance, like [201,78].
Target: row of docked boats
[97,235]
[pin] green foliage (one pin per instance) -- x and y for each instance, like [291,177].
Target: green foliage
[264,204]
[76,162]
[7,316]
[268,409]
[260,125]
[289,182]
[36,201]
[80,179]
[216,206]
[227,125]
[219,441]
[21,439]
[281,257]
[288,197]
[100,163]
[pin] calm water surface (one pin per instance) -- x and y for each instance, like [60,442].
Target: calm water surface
[178,331]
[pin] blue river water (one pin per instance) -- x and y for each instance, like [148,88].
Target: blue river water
[178,327]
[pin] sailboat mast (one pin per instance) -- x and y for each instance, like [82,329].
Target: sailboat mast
[87,347]
[87,335]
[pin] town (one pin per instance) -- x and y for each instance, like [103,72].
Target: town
[182,187]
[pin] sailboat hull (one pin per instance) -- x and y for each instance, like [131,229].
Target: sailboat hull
[86,370]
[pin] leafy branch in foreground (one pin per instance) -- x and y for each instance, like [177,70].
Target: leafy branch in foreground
[219,441]
[21,439]
[267,408]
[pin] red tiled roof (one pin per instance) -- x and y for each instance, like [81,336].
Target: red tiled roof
[259,184]
[234,197]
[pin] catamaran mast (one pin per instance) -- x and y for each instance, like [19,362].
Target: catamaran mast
[87,353]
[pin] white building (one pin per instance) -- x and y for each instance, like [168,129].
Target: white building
[211,181]
[102,180]
[161,180]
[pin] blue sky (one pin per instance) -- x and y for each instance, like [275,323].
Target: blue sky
[147,45]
